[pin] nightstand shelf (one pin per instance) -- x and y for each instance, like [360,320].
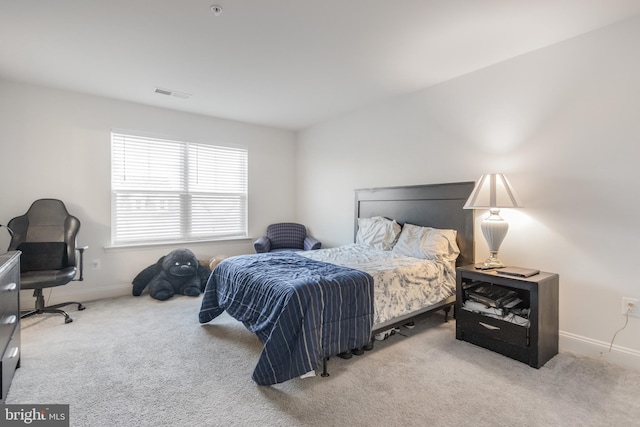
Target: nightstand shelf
[534,344]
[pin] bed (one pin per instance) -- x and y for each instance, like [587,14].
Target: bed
[306,307]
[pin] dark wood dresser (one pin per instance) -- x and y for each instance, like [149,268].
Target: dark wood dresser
[9,319]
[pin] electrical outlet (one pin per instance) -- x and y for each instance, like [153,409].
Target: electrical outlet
[95,264]
[635,310]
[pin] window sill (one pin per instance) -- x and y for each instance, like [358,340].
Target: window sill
[133,246]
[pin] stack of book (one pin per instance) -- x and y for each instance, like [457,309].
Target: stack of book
[492,296]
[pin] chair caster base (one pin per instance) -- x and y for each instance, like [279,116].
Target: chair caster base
[53,309]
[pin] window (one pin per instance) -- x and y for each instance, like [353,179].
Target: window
[171,191]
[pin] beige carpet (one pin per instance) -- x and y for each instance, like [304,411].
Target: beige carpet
[139,362]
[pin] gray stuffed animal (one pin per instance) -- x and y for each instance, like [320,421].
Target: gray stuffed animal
[175,273]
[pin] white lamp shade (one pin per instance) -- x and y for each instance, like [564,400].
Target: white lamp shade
[492,191]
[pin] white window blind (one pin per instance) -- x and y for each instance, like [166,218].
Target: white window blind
[170,191]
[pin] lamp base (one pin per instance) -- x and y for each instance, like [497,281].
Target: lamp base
[491,262]
[494,228]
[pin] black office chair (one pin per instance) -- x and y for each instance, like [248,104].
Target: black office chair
[46,236]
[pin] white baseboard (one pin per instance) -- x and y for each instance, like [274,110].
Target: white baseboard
[60,294]
[584,346]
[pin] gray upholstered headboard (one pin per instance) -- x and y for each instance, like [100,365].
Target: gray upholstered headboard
[433,205]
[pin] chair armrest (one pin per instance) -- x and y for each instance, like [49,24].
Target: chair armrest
[311,243]
[262,245]
[81,250]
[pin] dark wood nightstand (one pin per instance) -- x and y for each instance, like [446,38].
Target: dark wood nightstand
[534,344]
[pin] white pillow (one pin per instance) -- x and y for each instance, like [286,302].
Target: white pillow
[440,244]
[427,243]
[410,241]
[377,232]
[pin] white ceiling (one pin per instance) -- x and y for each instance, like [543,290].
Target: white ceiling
[283,63]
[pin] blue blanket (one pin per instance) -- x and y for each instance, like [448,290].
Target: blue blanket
[301,309]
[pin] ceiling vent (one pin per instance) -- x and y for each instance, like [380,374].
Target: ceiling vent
[175,93]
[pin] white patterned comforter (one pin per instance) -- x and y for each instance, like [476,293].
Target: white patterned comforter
[402,284]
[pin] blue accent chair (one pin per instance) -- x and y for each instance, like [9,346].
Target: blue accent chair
[286,236]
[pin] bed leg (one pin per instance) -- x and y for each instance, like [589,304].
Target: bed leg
[447,309]
[324,368]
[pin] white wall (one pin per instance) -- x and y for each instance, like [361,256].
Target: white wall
[56,144]
[563,123]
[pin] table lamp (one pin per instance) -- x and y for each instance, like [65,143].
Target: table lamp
[493,192]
